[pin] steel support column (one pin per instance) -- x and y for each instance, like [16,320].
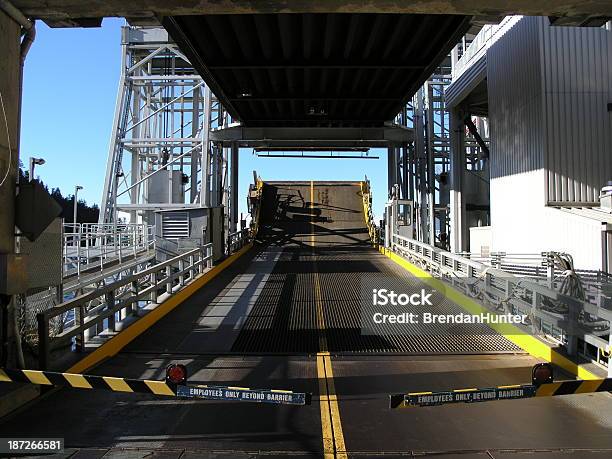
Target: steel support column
[234,188]
[421,166]
[399,178]
[206,151]
[224,188]
[195,124]
[431,173]
[109,192]
[459,235]
[392,163]
[405,172]
[135,175]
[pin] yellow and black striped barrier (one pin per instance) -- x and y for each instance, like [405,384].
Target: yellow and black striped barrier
[474,395]
[145,386]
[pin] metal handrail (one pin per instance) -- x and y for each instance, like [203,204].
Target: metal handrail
[366,196]
[237,240]
[488,35]
[500,287]
[172,275]
[88,245]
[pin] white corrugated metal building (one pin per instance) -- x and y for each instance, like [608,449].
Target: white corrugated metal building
[549,93]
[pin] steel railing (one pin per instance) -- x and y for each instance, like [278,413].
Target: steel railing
[571,322]
[237,240]
[91,245]
[99,310]
[487,36]
[366,196]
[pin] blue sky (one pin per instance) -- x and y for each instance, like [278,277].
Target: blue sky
[70,86]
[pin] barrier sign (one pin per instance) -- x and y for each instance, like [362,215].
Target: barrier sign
[474,395]
[469,395]
[243,394]
[146,386]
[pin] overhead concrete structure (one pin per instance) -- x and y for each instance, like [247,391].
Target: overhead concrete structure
[65,13]
[315,69]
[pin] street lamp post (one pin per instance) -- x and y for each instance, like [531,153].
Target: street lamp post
[76,192]
[74,218]
[34,162]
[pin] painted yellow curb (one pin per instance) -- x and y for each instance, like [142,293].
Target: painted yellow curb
[529,343]
[119,341]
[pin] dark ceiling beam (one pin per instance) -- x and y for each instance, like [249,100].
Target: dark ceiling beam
[285,137]
[189,49]
[444,49]
[64,12]
[315,98]
[386,66]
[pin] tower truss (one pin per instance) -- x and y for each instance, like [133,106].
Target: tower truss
[160,135]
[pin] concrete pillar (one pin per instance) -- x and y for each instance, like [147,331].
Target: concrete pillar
[234,188]
[9,150]
[458,236]
[10,108]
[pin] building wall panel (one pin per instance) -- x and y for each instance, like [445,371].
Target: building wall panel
[515,101]
[577,84]
[519,226]
[516,149]
[574,234]
[551,137]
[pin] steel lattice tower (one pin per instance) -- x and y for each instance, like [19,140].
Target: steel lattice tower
[160,134]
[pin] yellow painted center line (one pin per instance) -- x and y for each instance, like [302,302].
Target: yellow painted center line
[331,426]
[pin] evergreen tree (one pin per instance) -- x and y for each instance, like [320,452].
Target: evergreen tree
[85,213]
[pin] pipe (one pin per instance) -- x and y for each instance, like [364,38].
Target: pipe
[15,14]
[26,43]
[27,25]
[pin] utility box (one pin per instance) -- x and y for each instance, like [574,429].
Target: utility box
[178,231]
[159,186]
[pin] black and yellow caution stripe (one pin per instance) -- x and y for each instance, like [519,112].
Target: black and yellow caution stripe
[79,381]
[512,392]
[147,386]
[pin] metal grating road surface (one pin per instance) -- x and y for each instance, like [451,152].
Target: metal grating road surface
[326,259]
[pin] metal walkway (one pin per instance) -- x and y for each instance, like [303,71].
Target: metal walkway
[286,314]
